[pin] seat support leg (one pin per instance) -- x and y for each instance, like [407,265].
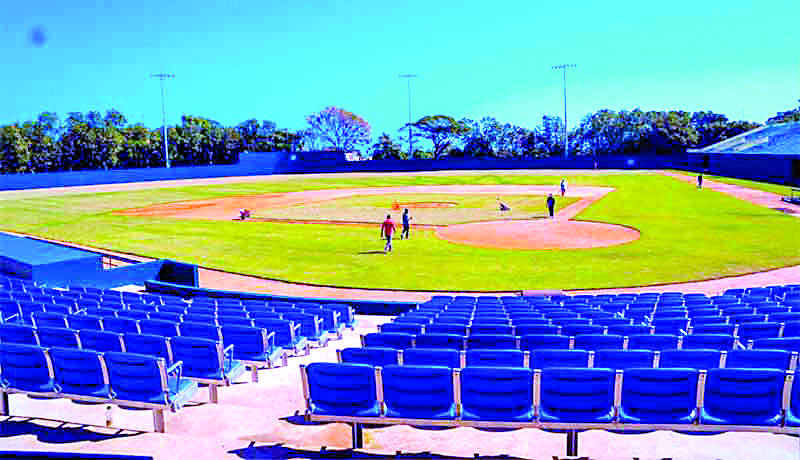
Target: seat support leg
[358,436]
[212,393]
[285,359]
[4,410]
[254,373]
[572,444]
[158,420]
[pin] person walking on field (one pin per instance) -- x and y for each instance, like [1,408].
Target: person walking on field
[563,186]
[406,225]
[700,181]
[551,205]
[387,228]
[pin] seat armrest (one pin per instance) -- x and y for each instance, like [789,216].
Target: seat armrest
[177,367]
[228,356]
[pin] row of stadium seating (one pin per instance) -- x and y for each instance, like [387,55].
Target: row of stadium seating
[543,358]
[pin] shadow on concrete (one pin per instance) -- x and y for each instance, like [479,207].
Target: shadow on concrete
[60,433]
[278,451]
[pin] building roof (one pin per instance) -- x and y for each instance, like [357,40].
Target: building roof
[777,139]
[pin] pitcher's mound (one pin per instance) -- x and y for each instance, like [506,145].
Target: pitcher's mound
[538,234]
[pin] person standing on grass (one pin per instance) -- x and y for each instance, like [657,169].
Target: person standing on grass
[551,205]
[700,181]
[406,225]
[563,186]
[387,228]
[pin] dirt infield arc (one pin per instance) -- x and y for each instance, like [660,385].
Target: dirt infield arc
[558,233]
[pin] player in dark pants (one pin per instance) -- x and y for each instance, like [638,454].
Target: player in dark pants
[551,205]
[387,228]
[700,181]
[406,225]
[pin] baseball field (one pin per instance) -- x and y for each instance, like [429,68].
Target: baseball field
[611,229]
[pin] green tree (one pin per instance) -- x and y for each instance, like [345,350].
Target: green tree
[783,117]
[339,129]
[386,148]
[441,130]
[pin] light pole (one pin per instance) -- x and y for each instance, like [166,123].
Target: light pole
[162,77]
[564,67]
[408,78]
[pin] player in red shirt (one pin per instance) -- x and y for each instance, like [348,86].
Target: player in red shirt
[387,228]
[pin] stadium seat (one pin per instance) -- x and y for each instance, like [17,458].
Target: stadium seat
[582,329]
[287,334]
[763,359]
[784,317]
[47,319]
[18,333]
[782,343]
[199,330]
[253,346]
[655,396]
[310,326]
[598,341]
[495,358]
[694,358]
[529,329]
[159,327]
[121,325]
[612,321]
[708,341]
[100,341]
[341,389]
[206,361]
[676,326]
[424,320]
[346,313]
[538,341]
[793,411]
[749,318]
[498,394]
[447,328]
[58,337]
[80,322]
[26,368]
[576,395]
[791,328]
[406,328]
[496,329]
[453,341]
[330,319]
[654,342]
[743,397]
[419,392]
[629,329]
[432,357]
[493,341]
[148,344]
[79,373]
[717,328]
[752,331]
[394,340]
[544,358]
[135,314]
[374,356]
[231,320]
[623,359]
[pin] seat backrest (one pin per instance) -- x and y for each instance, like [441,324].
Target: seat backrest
[495,358]
[406,328]
[249,342]
[79,372]
[47,319]
[579,329]
[598,341]
[432,357]
[692,358]
[623,359]
[574,395]
[659,395]
[229,320]
[628,329]
[782,343]
[136,377]
[81,322]
[159,327]
[58,337]
[544,358]
[18,333]
[202,358]
[494,341]
[539,341]
[497,393]
[453,341]
[419,392]
[397,340]
[199,330]
[654,342]
[446,328]
[121,325]
[499,329]
[528,329]
[342,389]
[752,331]
[374,356]
[708,341]
[743,397]
[26,367]
[763,359]
[101,341]
[148,344]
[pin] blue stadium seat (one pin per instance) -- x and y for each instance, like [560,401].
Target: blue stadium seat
[577,395]
[782,343]
[58,337]
[629,329]
[47,319]
[79,372]
[536,329]
[784,317]
[693,358]
[18,333]
[101,341]
[544,358]
[708,341]
[414,319]
[199,330]
[716,328]
[287,334]
[310,326]
[743,397]
[494,341]
[121,325]
[752,331]
[419,392]
[453,341]
[395,340]
[748,318]
[159,327]
[406,328]
[432,357]
[374,356]
[538,341]
[148,344]
[677,326]
[135,314]
[654,396]
[654,342]
[80,322]
[26,368]
[582,329]
[496,329]
[206,361]
[598,341]
[346,313]
[495,358]
[253,346]
[447,328]
[791,328]
[623,359]
[766,359]
[230,320]
[330,319]
[498,394]
[612,321]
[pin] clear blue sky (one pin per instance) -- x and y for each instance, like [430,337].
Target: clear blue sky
[281,60]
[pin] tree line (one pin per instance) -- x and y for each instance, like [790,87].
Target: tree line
[85,141]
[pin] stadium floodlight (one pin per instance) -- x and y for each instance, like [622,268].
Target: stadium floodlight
[564,68]
[408,78]
[162,77]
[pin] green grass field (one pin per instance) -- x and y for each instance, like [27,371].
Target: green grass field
[685,235]
[463,209]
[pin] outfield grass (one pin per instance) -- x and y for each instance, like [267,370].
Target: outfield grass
[462,208]
[782,190]
[685,235]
